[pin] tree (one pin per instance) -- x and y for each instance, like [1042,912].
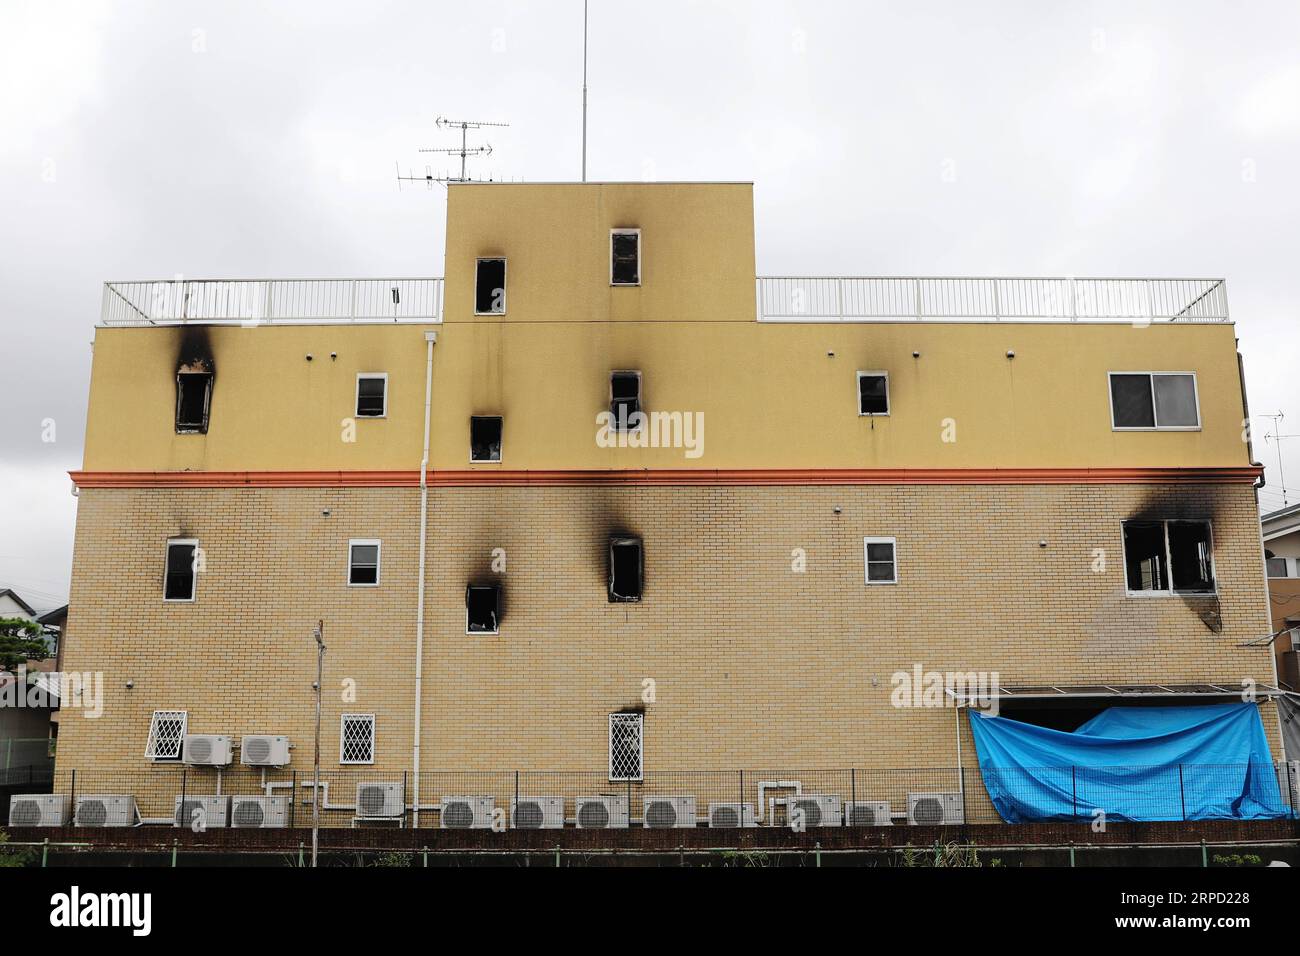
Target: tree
[21,640]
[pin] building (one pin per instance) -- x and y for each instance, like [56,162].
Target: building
[27,732]
[1282,560]
[840,484]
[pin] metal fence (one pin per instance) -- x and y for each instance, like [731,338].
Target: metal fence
[271,301]
[1066,299]
[246,796]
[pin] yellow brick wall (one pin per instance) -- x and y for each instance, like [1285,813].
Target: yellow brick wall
[755,665]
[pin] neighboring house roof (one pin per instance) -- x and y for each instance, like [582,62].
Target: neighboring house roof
[1278,523]
[13,596]
[53,617]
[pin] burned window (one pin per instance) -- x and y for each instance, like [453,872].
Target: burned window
[193,400]
[1146,400]
[879,560]
[363,562]
[1169,557]
[625,257]
[625,400]
[873,393]
[179,576]
[482,608]
[485,438]
[372,394]
[626,569]
[490,287]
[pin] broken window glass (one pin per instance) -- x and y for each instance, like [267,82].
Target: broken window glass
[1189,555]
[372,397]
[1144,556]
[873,393]
[193,397]
[1131,403]
[490,287]
[625,252]
[626,567]
[485,438]
[178,582]
[482,608]
[624,399]
[1175,401]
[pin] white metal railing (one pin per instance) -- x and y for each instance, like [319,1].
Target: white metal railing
[883,299]
[270,301]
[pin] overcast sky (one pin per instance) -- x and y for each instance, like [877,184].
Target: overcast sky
[239,139]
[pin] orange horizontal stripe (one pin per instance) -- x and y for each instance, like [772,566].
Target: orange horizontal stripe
[688,476]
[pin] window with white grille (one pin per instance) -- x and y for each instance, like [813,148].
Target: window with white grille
[357,738]
[166,734]
[625,746]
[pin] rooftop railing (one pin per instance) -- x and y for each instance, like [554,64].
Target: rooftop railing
[271,301]
[780,299]
[955,299]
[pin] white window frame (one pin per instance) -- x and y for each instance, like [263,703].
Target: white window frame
[379,561]
[639,721]
[866,560]
[640,248]
[194,580]
[500,455]
[1169,560]
[356,398]
[374,738]
[505,267]
[858,398]
[151,744]
[1157,427]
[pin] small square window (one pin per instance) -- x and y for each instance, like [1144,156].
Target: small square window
[1276,567]
[490,287]
[485,438]
[626,569]
[363,562]
[193,400]
[873,393]
[482,609]
[357,738]
[880,560]
[180,576]
[372,395]
[166,735]
[626,747]
[1157,401]
[625,257]
[625,400]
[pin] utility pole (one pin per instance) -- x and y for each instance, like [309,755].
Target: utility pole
[319,634]
[584,90]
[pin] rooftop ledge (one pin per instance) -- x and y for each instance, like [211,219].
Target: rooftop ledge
[779,299]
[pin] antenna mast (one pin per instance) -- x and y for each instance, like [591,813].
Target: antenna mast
[1278,437]
[584,90]
[464,151]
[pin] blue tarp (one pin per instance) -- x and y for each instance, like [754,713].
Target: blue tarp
[1133,763]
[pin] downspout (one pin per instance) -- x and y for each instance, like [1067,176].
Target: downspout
[430,337]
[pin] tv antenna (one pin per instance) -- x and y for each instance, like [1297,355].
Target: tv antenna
[464,151]
[1276,436]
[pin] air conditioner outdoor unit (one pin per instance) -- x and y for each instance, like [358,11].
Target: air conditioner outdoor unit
[868,813]
[104,810]
[206,750]
[934,809]
[819,809]
[1288,784]
[259,812]
[38,810]
[537,813]
[203,812]
[263,750]
[466,813]
[732,815]
[667,812]
[602,813]
[380,801]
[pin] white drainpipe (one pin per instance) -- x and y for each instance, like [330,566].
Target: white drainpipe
[430,337]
